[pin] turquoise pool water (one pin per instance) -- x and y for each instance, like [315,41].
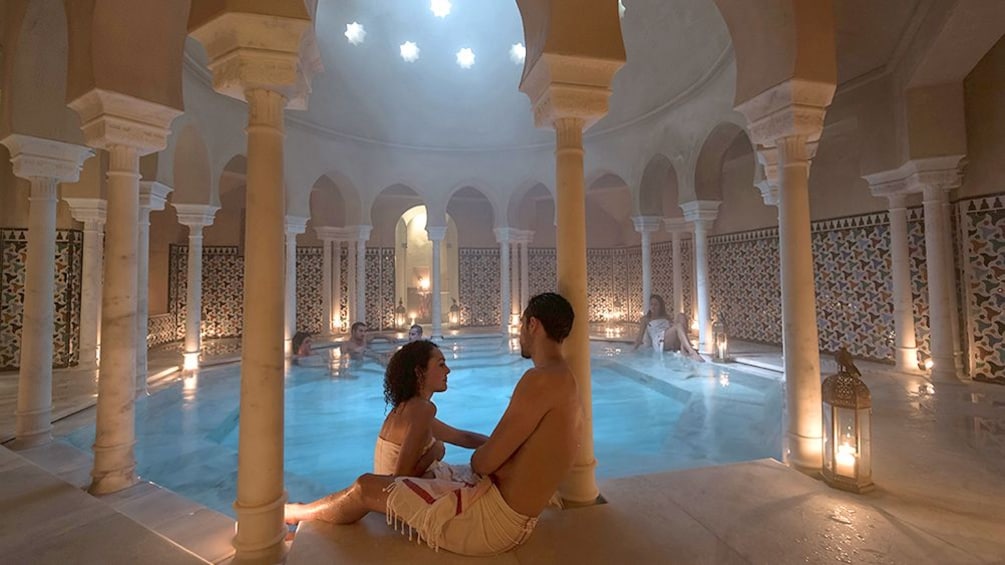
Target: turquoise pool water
[651,413]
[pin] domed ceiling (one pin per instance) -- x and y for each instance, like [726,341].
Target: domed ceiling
[368,92]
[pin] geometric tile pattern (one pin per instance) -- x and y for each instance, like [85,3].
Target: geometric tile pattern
[984,223]
[380,287]
[161,329]
[919,278]
[66,295]
[744,286]
[309,310]
[478,283]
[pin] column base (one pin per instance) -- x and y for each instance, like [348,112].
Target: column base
[31,440]
[804,454]
[261,532]
[945,376]
[580,487]
[907,360]
[113,481]
[190,361]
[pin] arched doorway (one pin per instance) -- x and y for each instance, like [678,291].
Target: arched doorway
[414,257]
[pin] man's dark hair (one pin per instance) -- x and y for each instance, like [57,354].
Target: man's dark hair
[554,312]
[298,340]
[402,380]
[416,327]
[353,327]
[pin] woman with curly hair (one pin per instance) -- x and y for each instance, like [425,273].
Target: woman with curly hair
[411,439]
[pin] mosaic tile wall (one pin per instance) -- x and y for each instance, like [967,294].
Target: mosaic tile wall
[309,307]
[161,329]
[745,292]
[919,277]
[66,315]
[380,287]
[983,222]
[608,288]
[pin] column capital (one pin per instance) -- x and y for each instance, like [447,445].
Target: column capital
[567,86]
[436,233]
[329,233]
[505,235]
[523,236]
[87,209]
[360,232]
[296,225]
[647,224]
[795,107]
[195,215]
[914,175]
[677,225]
[35,157]
[701,211]
[260,51]
[153,194]
[110,118]
[766,175]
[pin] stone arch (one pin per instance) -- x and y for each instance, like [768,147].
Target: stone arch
[778,40]
[339,200]
[708,167]
[609,208]
[474,213]
[192,176]
[657,193]
[35,73]
[518,215]
[110,48]
[229,226]
[386,207]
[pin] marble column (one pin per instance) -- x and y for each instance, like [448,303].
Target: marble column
[514,275]
[524,272]
[677,227]
[329,262]
[271,72]
[905,344]
[44,163]
[503,237]
[196,217]
[939,284]
[362,236]
[701,214]
[337,284]
[351,302]
[646,225]
[436,235]
[952,298]
[153,196]
[91,212]
[294,227]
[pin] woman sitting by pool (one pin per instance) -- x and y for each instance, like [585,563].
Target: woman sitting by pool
[657,329]
[411,439]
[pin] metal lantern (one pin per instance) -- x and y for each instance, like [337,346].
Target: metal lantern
[399,315]
[720,340]
[847,407]
[455,314]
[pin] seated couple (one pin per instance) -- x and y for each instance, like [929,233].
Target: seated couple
[516,470]
[656,328]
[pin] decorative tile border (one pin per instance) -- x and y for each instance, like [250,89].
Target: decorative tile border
[984,225]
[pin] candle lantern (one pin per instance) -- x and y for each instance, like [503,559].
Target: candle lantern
[720,340]
[399,315]
[455,314]
[847,407]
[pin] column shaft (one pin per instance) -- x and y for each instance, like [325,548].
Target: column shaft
[524,276]
[581,485]
[905,345]
[514,280]
[260,494]
[326,286]
[436,283]
[290,287]
[193,298]
[90,294]
[142,297]
[337,283]
[678,274]
[939,317]
[647,272]
[799,321]
[34,392]
[705,344]
[504,282]
[952,298]
[351,300]
[114,462]
[361,280]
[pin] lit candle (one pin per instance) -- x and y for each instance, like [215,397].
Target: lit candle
[845,460]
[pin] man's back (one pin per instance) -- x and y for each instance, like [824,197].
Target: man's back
[529,478]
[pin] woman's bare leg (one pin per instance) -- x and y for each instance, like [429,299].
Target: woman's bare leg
[686,347]
[345,506]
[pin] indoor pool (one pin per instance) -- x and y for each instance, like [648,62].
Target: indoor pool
[651,413]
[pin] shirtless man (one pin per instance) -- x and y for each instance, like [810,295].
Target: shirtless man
[528,454]
[355,346]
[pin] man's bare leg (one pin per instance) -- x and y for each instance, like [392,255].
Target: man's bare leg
[345,506]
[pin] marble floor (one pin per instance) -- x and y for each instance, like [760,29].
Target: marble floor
[939,459]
